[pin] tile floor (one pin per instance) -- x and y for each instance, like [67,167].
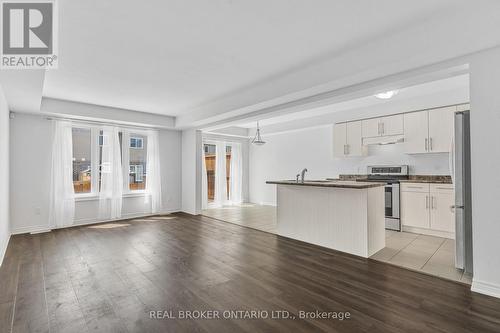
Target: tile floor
[428,254]
[260,217]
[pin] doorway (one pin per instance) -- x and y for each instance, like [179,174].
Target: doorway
[210,154]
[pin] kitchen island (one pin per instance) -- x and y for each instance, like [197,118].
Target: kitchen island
[347,216]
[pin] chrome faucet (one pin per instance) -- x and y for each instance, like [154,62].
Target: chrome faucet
[302,174]
[297,177]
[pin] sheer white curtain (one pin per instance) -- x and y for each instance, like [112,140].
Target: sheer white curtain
[220,174]
[236,174]
[62,194]
[204,180]
[110,195]
[153,176]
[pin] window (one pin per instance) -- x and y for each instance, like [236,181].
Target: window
[210,166]
[103,139]
[137,162]
[88,144]
[136,142]
[228,169]
[138,172]
[209,149]
[82,160]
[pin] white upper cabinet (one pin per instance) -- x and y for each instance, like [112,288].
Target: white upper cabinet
[354,139]
[429,131]
[347,140]
[441,124]
[370,127]
[392,125]
[383,126]
[339,139]
[416,131]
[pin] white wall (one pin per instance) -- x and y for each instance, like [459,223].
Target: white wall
[191,171]
[485,159]
[284,155]
[4,175]
[30,155]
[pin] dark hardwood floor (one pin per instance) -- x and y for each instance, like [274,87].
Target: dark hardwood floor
[109,277]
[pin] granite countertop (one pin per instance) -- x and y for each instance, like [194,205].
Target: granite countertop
[437,179]
[428,179]
[328,183]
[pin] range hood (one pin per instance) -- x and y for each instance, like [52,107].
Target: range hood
[384,140]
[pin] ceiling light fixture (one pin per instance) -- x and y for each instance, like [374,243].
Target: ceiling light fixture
[257,140]
[387,94]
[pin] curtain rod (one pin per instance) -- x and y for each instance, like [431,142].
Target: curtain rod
[96,122]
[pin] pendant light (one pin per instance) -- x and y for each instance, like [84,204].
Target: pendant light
[257,140]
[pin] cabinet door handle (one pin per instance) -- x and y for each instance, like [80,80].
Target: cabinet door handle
[426,144]
[383,128]
[344,150]
[378,128]
[430,144]
[426,202]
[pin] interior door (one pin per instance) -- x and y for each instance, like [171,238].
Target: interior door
[416,132]
[353,138]
[441,129]
[339,139]
[370,127]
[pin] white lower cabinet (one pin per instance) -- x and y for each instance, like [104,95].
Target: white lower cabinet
[414,209]
[426,209]
[442,215]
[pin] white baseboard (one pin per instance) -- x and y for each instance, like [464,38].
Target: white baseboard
[3,250]
[486,288]
[268,204]
[29,229]
[81,222]
[429,232]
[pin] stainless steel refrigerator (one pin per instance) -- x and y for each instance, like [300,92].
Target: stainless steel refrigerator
[461,174]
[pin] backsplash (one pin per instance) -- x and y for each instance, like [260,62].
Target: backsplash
[419,164]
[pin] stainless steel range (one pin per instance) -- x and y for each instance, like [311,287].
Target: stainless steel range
[391,175]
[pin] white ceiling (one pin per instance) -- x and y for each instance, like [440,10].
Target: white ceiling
[170,57]
[23,89]
[212,63]
[453,90]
